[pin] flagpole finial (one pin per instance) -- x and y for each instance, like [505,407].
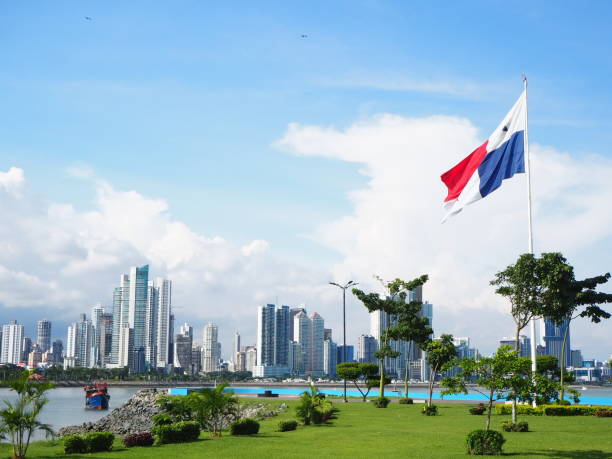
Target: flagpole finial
[524,77]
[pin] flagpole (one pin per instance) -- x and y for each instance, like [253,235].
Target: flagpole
[529,223]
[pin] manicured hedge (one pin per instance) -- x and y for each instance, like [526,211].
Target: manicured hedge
[89,443]
[553,410]
[177,432]
[406,401]
[244,426]
[74,444]
[509,426]
[138,439]
[286,426]
[485,442]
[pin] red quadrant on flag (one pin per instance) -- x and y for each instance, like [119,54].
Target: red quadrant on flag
[456,178]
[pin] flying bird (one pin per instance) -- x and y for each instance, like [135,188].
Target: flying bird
[87,18]
[304,36]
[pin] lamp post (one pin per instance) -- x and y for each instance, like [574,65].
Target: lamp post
[344,287]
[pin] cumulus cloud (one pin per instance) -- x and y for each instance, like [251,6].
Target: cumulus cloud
[395,230]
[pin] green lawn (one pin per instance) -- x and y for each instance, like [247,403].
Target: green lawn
[364,431]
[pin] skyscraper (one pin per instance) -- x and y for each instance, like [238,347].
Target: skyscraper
[210,348]
[524,344]
[96,314]
[236,348]
[266,320]
[551,335]
[79,342]
[273,334]
[12,343]
[43,335]
[309,333]
[282,335]
[330,352]
[366,348]
[165,326]
[105,331]
[183,344]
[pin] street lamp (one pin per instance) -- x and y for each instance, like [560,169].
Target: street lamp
[344,287]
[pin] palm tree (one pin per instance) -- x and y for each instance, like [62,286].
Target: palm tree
[19,419]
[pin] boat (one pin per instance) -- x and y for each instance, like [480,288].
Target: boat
[96,396]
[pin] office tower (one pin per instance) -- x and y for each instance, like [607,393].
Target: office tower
[524,345]
[165,322]
[96,313]
[43,335]
[366,348]
[183,344]
[240,363]
[350,353]
[186,329]
[251,358]
[236,346]
[57,349]
[327,334]
[151,324]
[576,358]
[196,360]
[302,331]
[292,313]
[26,349]
[105,325]
[551,335]
[282,332]
[126,346]
[296,363]
[309,331]
[210,349]
[12,343]
[138,297]
[317,344]
[137,360]
[266,320]
[80,341]
[330,353]
[121,297]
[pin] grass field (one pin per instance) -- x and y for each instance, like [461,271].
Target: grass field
[362,431]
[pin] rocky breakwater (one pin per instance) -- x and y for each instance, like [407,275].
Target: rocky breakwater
[135,416]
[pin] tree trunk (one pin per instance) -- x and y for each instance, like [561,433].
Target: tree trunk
[489,410]
[407,372]
[432,375]
[562,362]
[516,348]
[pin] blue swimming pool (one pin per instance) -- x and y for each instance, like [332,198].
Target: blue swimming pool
[473,396]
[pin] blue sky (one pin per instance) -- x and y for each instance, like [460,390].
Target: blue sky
[184,101]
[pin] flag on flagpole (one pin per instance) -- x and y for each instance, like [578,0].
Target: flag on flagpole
[483,170]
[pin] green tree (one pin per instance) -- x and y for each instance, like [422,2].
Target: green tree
[411,327]
[20,419]
[396,293]
[212,407]
[505,375]
[440,355]
[355,372]
[313,407]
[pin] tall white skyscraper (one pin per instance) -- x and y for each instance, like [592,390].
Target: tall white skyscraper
[165,328]
[79,342]
[210,348]
[330,357]
[12,343]
[96,318]
[236,347]
[43,335]
[309,333]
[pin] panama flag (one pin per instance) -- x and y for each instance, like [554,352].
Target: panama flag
[483,170]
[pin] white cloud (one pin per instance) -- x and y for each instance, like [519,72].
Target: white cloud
[395,231]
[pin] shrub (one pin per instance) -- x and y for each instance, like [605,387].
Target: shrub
[177,432]
[430,410]
[520,409]
[285,426]
[74,444]
[563,402]
[478,410]
[485,442]
[561,410]
[381,402]
[406,401]
[244,426]
[138,439]
[161,419]
[99,441]
[603,413]
[509,426]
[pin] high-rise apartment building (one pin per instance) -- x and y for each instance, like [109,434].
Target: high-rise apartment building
[266,324]
[165,322]
[282,329]
[251,358]
[43,335]
[366,348]
[105,337]
[96,314]
[349,351]
[210,349]
[183,344]
[309,332]
[12,343]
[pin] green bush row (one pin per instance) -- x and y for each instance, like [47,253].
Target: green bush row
[177,432]
[244,426]
[88,443]
[286,426]
[552,410]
